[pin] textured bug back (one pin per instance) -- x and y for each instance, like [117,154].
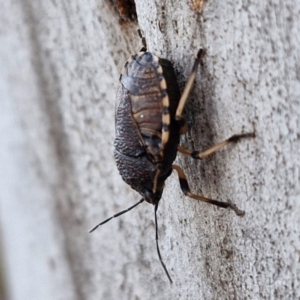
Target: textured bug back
[146,82]
[142,82]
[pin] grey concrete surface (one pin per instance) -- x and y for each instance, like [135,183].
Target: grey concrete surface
[59,68]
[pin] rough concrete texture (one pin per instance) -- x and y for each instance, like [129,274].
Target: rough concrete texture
[59,68]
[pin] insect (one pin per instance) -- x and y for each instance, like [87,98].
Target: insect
[148,124]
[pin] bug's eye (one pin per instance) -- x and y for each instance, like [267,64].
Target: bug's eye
[151,197]
[148,194]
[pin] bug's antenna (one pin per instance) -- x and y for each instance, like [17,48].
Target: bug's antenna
[116,215]
[156,237]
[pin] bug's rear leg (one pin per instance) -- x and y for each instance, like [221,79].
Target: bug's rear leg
[188,86]
[186,190]
[200,155]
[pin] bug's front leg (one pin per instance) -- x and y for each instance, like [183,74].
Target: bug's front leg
[188,86]
[186,190]
[200,155]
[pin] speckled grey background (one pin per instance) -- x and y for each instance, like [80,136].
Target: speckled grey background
[59,68]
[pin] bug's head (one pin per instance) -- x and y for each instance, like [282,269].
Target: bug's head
[152,189]
[152,197]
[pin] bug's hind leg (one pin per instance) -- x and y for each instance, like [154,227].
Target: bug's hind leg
[188,86]
[186,190]
[204,154]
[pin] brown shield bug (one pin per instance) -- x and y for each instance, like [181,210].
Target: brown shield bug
[149,123]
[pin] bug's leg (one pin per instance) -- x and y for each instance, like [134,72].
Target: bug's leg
[204,154]
[188,86]
[186,190]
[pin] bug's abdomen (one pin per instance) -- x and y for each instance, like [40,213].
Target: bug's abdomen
[146,110]
[142,80]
